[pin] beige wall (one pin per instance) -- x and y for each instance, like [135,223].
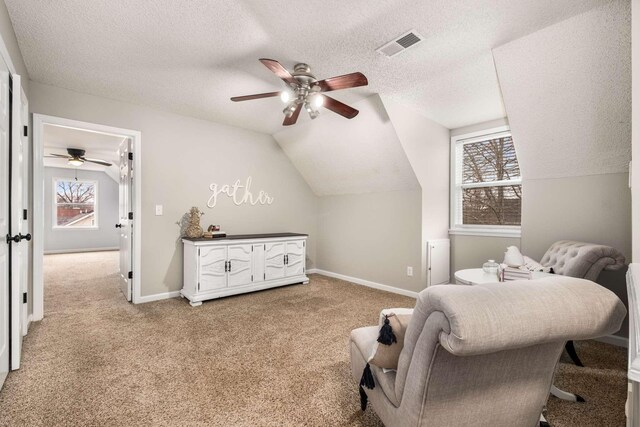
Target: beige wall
[473,251]
[181,156]
[372,236]
[426,144]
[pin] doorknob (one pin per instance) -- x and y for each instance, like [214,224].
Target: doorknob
[118,225]
[19,237]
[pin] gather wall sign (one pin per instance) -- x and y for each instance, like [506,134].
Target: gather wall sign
[239,193]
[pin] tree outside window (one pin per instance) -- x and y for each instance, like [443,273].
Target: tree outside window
[488,183]
[75,204]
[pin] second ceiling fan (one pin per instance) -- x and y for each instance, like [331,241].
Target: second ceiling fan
[304,90]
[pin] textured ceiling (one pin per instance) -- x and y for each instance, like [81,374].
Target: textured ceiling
[338,156]
[190,56]
[571,115]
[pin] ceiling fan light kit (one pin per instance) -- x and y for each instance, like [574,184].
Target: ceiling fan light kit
[304,90]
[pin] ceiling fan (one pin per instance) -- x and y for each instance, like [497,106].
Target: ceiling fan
[304,90]
[76,158]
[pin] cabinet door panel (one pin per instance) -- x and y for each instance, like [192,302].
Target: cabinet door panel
[239,257]
[258,263]
[295,258]
[212,263]
[274,260]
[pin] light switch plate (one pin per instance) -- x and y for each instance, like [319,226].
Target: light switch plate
[410,271]
[158,210]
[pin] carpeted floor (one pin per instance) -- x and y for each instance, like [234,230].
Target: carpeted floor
[271,358]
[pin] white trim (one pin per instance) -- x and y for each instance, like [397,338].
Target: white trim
[364,282]
[455,185]
[614,340]
[39,120]
[157,297]
[486,231]
[80,250]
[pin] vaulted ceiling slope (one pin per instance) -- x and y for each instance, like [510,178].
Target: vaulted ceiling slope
[189,57]
[338,156]
[567,91]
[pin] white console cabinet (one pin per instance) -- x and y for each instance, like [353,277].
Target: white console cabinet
[215,268]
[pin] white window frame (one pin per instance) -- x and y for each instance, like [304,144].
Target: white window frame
[456,187]
[54,206]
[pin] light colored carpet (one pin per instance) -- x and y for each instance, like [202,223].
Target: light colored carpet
[271,358]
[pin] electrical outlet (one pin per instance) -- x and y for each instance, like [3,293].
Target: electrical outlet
[158,210]
[410,271]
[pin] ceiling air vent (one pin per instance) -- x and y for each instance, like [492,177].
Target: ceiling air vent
[400,44]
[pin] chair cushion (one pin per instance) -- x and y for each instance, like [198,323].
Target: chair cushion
[386,356]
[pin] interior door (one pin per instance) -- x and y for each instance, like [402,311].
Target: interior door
[274,260]
[19,246]
[239,265]
[295,258]
[125,225]
[213,268]
[4,220]
[26,181]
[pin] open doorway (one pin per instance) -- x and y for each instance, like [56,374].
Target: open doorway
[86,200]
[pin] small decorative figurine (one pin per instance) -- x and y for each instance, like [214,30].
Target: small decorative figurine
[194,230]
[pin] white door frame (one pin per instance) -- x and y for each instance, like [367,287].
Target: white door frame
[39,120]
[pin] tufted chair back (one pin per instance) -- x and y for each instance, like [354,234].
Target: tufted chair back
[583,260]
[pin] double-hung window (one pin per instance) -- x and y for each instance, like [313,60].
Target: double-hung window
[75,204]
[486,187]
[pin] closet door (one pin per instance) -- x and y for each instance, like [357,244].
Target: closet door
[239,265]
[212,263]
[274,260]
[295,258]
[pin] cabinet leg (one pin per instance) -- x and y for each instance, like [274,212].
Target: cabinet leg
[195,303]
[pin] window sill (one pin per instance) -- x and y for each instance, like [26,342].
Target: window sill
[513,232]
[74,228]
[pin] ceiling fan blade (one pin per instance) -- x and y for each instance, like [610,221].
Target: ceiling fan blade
[257,96]
[339,107]
[342,82]
[279,70]
[288,121]
[64,156]
[97,161]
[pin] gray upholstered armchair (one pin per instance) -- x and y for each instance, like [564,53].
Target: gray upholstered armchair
[582,260]
[484,355]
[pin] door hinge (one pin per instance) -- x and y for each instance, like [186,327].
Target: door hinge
[198,251]
[24,297]
[26,131]
[130,156]
[264,276]
[198,285]
[252,277]
[24,214]
[130,275]
[130,215]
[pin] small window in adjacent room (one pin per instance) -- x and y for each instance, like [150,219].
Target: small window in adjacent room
[75,204]
[486,191]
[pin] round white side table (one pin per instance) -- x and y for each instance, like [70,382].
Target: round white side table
[476,276]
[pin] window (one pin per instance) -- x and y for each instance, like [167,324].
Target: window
[75,204]
[486,194]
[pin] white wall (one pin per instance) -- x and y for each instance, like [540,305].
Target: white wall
[181,156]
[635,172]
[67,240]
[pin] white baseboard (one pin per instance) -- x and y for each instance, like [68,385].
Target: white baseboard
[364,282]
[614,340]
[73,251]
[158,297]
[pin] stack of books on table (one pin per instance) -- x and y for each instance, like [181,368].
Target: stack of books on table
[506,273]
[214,234]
